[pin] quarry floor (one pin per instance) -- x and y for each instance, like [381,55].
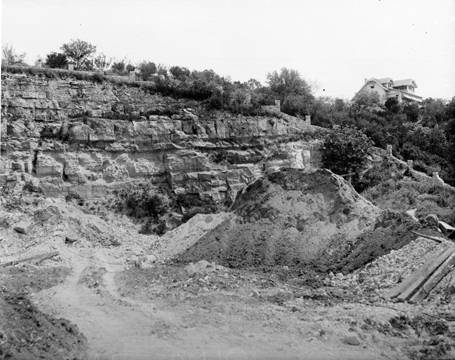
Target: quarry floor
[134,306]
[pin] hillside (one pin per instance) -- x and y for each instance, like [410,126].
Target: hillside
[135,223]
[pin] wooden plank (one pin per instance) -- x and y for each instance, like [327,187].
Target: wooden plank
[434,238]
[410,281]
[35,258]
[428,269]
[434,279]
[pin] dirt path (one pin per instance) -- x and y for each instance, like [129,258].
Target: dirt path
[118,327]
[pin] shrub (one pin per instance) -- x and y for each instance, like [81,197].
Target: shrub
[146,70]
[345,151]
[56,60]
[11,57]
[180,73]
[143,201]
[118,67]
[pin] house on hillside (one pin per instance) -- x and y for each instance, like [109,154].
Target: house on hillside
[386,88]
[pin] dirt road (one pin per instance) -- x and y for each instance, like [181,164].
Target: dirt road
[120,327]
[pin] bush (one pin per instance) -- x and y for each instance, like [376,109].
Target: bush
[146,70]
[56,60]
[295,105]
[345,151]
[180,73]
[118,67]
[143,201]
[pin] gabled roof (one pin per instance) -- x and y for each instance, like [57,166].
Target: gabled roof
[405,82]
[377,82]
[384,80]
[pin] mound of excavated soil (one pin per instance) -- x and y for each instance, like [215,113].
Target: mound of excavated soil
[27,333]
[287,218]
[185,235]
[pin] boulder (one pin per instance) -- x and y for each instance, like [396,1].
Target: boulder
[22,227]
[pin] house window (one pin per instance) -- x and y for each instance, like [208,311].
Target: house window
[372,86]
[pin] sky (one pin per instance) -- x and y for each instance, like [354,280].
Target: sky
[334,44]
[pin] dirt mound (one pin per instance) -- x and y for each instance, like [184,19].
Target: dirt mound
[287,218]
[392,231]
[185,235]
[27,333]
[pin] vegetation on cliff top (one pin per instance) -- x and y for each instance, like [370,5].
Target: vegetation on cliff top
[425,133]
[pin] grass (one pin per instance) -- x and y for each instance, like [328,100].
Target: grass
[94,76]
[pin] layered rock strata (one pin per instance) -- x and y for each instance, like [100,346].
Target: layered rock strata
[88,138]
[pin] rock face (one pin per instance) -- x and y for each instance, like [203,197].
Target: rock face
[288,218]
[83,137]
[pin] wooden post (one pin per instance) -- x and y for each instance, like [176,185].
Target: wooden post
[389,150]
[308,119]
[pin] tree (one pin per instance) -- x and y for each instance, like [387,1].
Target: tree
[79,52]
[293,91]
[392,105]
[450,135]
[118,67]
[56,60]
[180,73]
[295,105]
[367,99]
[345,151]
[412,111]
[434,111]
[11,57]
[130,67]
[146,70]
[288,82]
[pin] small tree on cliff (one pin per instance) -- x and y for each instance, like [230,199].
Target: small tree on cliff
[345,151]
[78,51]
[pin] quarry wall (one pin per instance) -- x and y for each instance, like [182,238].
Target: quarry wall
[64,135]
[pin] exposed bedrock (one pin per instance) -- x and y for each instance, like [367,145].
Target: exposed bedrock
[67,135]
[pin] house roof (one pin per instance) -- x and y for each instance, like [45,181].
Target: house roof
[384,80]
[405,82]
[377,82]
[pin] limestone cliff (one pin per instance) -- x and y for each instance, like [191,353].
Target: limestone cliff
[66,135]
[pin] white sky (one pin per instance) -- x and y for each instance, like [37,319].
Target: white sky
[334,44]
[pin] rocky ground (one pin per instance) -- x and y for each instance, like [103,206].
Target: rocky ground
[125,295]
